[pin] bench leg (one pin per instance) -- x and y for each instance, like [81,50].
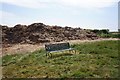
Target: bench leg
[46,54]
[69,51]
[73,51]
[50,54]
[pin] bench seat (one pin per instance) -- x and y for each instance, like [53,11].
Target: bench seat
[51,48]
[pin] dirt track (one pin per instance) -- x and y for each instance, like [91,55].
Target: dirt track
[24,48]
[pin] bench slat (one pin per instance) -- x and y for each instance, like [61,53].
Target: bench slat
[61,50]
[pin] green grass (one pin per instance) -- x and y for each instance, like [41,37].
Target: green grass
[109,35]
[95,60]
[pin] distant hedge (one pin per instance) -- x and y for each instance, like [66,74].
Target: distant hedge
[104,33]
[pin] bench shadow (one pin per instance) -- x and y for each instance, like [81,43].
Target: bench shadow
[59,55]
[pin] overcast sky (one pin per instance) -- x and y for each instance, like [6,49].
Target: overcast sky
[88,14]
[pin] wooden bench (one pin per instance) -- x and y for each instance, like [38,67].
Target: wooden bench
[50,48]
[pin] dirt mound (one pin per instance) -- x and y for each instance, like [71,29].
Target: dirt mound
[41,33]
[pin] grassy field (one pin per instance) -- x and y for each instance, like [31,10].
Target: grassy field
[95,60]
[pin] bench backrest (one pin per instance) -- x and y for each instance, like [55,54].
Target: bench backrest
[58,46]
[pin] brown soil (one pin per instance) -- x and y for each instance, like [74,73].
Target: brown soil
[24,48]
